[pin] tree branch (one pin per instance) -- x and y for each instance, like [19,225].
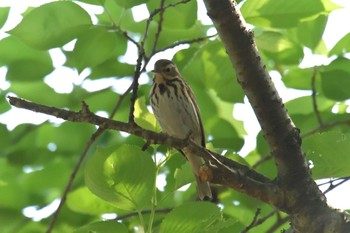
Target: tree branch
[279,131]
[72,177]
[220,169]
[302,197]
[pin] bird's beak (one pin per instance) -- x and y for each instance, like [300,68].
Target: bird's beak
[155,71]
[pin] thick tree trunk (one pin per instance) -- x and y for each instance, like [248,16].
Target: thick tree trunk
[299,195]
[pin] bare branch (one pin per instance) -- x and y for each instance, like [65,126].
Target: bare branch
[331,184]
[252,224]
[160,24]
[195,40]
[221,170]
[302,195]
[72,177]
[94,136]
[156,11]
[261,161]
[279,131]
[326,126]
[132,214]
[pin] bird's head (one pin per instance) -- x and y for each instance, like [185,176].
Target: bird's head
[166,69]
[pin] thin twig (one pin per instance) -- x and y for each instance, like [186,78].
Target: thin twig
[160,24]
[156,11]
[135,85]
[278,224]
[82,157]
[252,224]
[132,214]
[224,171]
[262,160]
[326,126]
[313,95]
[333,186]
[72,177]
[182,42]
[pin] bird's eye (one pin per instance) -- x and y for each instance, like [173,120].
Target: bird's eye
[167,69]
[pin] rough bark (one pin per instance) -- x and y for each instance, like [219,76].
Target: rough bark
[301,197]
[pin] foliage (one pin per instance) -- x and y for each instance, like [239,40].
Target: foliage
[36,160]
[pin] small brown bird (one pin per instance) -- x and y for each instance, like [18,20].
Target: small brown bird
[177,112]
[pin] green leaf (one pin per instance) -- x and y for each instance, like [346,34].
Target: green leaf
[335,79]
[23,63]
[94,2]
[13,195]
[170,36]
[185,14]
[194,218]
[4,12]
[329,154]
[111,68]
[117,15]
[11,219]
[78,136]
[110,226]
[281,14]
[224,134]
[95,46]
[341,47]
[130,3]
[310,32]
[49,181]
[4,105]
[28,70]
[143,117]
[298,78]
[209,66]
[220,74]
[279,47]
[303,105]
[38,91]
[97,100]
[125,177]
[52,25]
[183,175]
[83,201]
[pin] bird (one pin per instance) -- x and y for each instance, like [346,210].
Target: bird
[176,110]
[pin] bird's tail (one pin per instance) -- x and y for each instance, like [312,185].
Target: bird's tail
[196,162]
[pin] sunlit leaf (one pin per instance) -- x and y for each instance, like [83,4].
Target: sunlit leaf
[342,46]
[329,154]
[124,177]
[23,62]
[143,117]
[96,45]
[335,79]
[224,134]
[298,78]
[83,201]
[303,105]
[4,12]
[185,14]
[111,68]
[275,13]
[315,29]
[279,47]
[195,217]
[53,24]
